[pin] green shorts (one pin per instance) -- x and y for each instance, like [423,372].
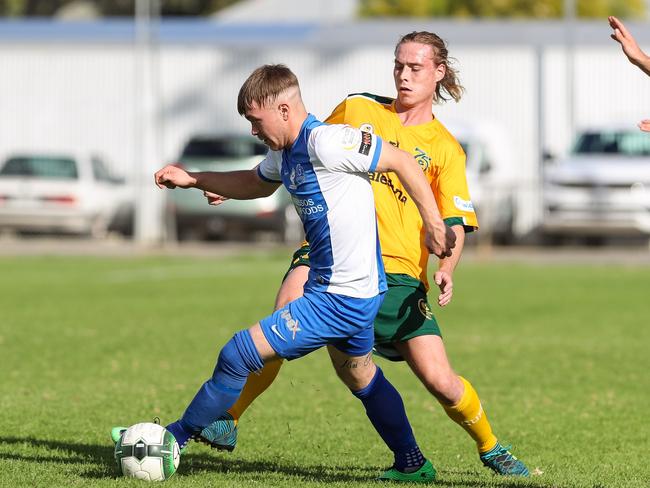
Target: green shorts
[405,313]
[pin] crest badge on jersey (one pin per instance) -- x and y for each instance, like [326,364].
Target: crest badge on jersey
[296,177]
[422,158]
[367,128]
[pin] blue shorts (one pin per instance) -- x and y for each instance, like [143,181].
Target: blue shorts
[318,319]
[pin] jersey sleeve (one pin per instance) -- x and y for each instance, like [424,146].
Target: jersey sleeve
[269,168]
[346,149]
[338,114]
[455,202]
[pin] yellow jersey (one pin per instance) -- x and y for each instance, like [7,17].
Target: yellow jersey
[441,158]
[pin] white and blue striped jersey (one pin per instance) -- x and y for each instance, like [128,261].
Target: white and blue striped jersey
[326,173]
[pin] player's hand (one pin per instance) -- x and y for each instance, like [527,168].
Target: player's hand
[627,42]
[172,176]
[446,285]
[214,198]
[440,240]
[644,125]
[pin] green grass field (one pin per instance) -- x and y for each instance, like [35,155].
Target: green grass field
[559,355]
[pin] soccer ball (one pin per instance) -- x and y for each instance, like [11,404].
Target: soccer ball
[148,452]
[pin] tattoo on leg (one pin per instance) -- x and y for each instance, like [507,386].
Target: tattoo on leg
[354,364]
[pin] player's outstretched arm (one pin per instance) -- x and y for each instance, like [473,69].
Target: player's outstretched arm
[241,185]
[629,45]
[439,239]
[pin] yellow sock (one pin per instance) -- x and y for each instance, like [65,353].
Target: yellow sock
[256,384]
[469,414]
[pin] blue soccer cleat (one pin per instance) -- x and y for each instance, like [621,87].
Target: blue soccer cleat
[500,460]
[220,434]
[426,474]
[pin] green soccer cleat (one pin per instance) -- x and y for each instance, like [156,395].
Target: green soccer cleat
[116,433]
[426,474]
[500,460]
[220,434]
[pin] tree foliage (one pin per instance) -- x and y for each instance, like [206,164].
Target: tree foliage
[538,9]
[48,8]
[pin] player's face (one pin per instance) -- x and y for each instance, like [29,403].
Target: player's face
[416,75]
[267,125]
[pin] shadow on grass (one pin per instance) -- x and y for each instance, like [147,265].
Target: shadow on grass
[96,462]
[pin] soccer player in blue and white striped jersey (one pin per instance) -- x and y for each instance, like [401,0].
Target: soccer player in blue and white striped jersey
[325,169]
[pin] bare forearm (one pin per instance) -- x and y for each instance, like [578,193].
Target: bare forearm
[239,185]
[643,62]
[419,190]
[449,263]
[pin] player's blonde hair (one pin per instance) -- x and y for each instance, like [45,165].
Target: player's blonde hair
[264,85]
[450,83]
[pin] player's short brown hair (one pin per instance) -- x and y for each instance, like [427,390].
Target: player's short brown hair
[264,85]
[450,83]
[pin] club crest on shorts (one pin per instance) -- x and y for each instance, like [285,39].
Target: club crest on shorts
[424,309]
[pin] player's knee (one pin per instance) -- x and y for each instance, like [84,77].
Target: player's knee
[358,377]
[366,388]
[238,357]
[445,386]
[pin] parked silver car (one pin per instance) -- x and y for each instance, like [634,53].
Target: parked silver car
[602,188]
[195,219]
[62,194]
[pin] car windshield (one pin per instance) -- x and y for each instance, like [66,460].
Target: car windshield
[613,142]
[223,147]
[41,167]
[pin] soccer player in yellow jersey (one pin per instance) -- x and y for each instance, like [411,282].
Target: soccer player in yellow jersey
[405,328]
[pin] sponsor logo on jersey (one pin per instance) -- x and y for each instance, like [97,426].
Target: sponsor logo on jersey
[290,323]
[385,180]
[424,309]
[307,206]
[464,205]
[422,158]
[366,143]
[350,138]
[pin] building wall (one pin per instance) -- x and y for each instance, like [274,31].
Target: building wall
[72,96]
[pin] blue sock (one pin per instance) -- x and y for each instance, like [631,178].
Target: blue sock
[237,360]
[385,409]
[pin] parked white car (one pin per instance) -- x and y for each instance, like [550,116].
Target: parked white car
[602,188]
[62,193]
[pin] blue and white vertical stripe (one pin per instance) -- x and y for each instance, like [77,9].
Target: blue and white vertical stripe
[326,173]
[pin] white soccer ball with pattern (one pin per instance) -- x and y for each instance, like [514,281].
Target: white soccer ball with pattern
[148,452]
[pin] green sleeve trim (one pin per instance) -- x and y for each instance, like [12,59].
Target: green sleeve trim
[451,221]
